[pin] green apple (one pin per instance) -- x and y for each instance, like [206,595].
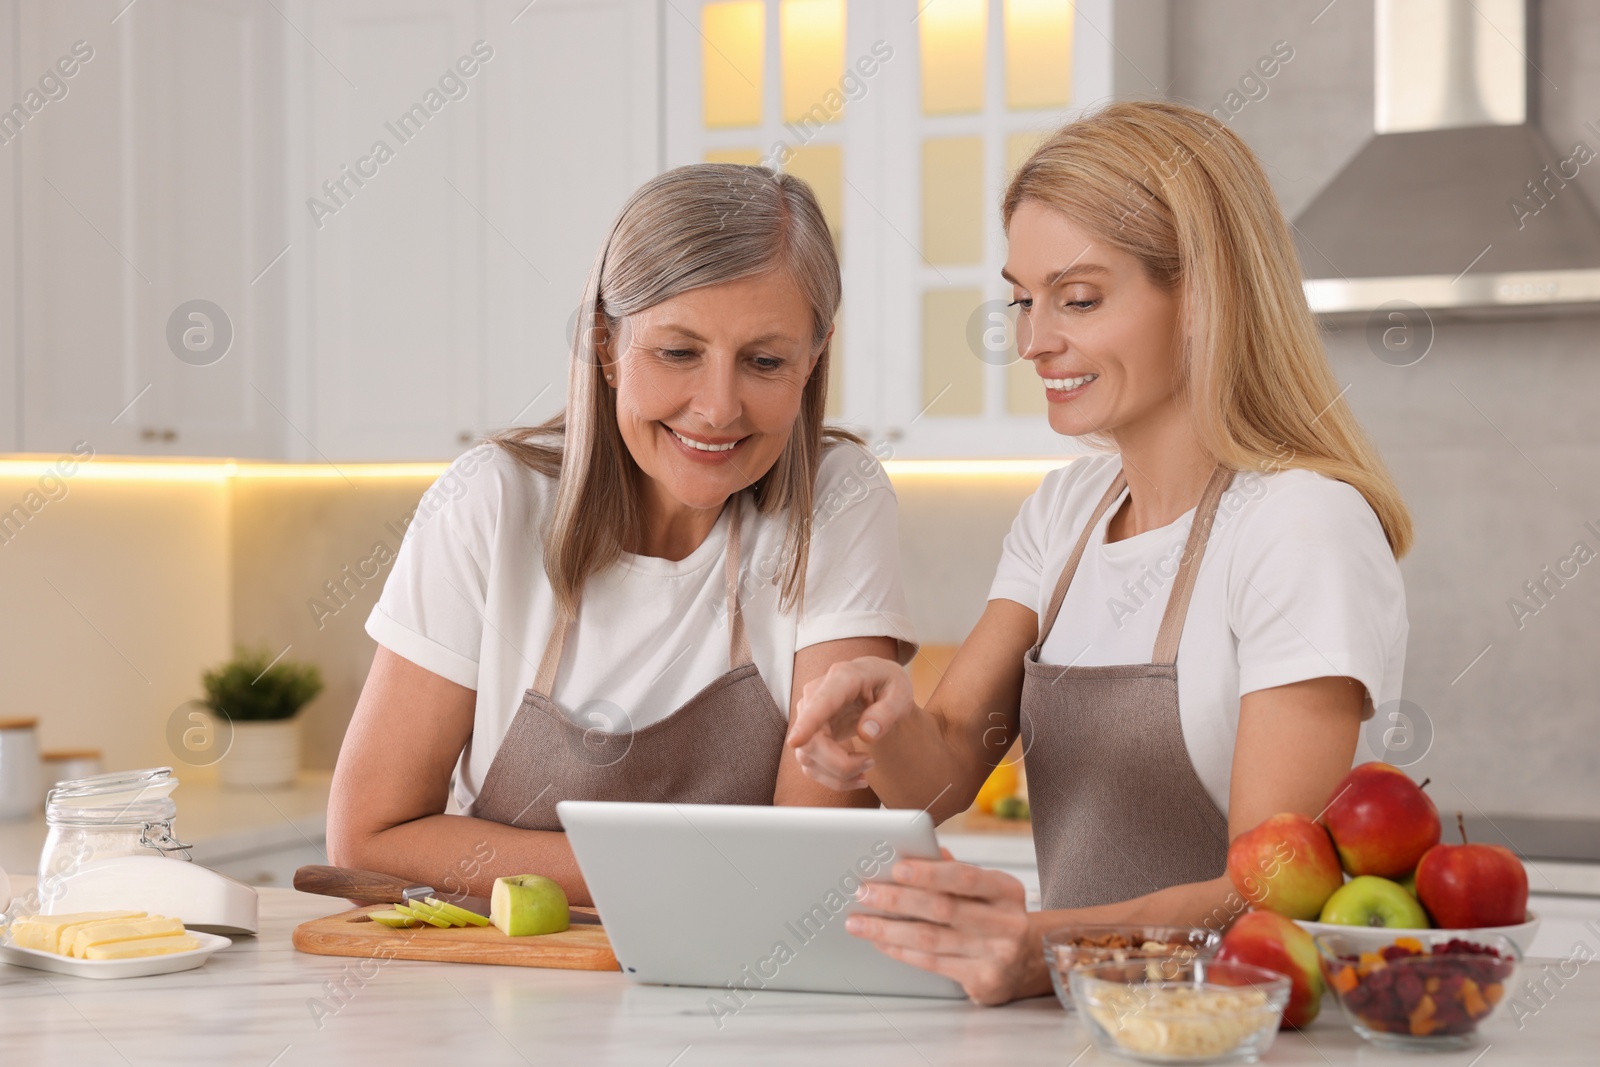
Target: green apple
[392,918]
[459,916]
[1372,901]
[525,904]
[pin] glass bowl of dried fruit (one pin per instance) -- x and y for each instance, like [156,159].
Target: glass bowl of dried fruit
[1073,946]
[1425,990]
[1170,1011]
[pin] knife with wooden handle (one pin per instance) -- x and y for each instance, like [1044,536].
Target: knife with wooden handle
[371,887]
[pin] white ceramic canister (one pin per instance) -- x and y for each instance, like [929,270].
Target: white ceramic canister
[67,765]
[21,785]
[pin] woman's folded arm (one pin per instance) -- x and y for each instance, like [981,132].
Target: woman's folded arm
[386,810]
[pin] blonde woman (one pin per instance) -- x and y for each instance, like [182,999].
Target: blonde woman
[618,604]
[1187,629]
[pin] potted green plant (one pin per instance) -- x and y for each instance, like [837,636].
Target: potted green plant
[260,699]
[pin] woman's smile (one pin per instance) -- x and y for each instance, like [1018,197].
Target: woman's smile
[1064,390]
[699,449]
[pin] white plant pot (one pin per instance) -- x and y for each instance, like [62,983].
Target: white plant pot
[263,754]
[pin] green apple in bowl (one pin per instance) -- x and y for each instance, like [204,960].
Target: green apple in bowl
[523,905]
[1368,900]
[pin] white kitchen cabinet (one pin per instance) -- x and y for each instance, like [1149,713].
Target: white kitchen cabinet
[145,183]
[441,282]
[572,130]
[385,206]
[927,108]
[383,304]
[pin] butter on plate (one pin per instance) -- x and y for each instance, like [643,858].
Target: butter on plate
[132,931]
[43,932]
[108,935]
[148,946]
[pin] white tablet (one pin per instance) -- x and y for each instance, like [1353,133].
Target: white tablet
[742,899]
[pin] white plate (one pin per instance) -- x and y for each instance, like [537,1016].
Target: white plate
[1376,937]
[134,968]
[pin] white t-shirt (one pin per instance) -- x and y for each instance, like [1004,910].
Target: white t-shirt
[469,599]
[1297,582]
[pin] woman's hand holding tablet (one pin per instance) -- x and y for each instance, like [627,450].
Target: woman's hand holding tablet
[967,923]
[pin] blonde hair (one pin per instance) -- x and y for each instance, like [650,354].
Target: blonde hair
[1180,192]
[685,229]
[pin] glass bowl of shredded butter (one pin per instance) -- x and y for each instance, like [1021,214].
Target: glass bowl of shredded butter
[1180,1011]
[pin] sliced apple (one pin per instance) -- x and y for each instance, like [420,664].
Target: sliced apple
[457,914]
[428,915]
[393,918]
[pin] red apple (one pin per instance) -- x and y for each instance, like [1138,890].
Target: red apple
[1381,821]
[1469,886]
[1286,865]
[1268,940]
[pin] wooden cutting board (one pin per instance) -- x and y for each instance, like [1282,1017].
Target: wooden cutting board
[351,933]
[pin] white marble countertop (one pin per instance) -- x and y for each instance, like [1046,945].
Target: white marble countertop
[222,824]
[262,1004]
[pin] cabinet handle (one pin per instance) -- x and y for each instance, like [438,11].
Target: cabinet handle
[149,433]
[464,437]
[169,434]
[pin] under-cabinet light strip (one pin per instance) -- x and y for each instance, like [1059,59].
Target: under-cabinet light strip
[104,468]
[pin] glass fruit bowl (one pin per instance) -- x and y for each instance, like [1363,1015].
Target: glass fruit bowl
[1081,943]
[1429,990]
[1172,1011]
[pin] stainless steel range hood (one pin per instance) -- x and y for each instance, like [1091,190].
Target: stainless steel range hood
[1458,204]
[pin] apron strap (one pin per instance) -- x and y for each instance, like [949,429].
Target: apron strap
[545,680]
[1188,567]
[1171,630]
[1117,485]
[738,640]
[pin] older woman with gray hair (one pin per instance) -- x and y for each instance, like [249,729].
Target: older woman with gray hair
[623,603]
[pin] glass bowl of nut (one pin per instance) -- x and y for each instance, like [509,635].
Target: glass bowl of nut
[1168,1011]
[1073,946]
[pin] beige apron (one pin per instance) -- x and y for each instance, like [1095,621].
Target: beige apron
[721,747]
[1118,810]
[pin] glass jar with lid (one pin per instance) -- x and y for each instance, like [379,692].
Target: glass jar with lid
[126,813]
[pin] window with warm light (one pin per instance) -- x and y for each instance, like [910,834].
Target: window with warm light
[953,56]
[811,43]
[916,156]
[732,61]
[1038,53]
